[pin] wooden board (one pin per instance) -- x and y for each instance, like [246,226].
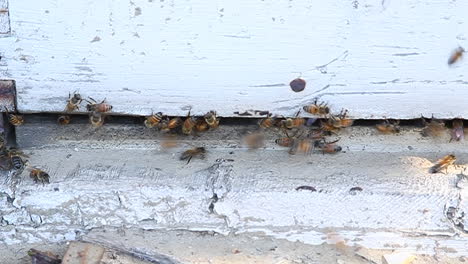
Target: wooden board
[4,18]
[377,58]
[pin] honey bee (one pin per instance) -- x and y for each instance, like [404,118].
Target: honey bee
[63,120]
[168,124]
[188,124]
[16,158]
[317,109]
[434,128]
[73,103]
[153,120]
[39,176]
[340,120]
[304,146]
[458,132]
[285,141]
[443,163]
[96,119]
[327,147]
[254,140]
[295,122]
[192,153]
[456,55]
[388,128]
[211,119]
[267,122]
[94,106]
[327,126]
[15,120]
[201,125]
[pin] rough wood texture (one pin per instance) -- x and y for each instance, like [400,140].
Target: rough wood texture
[4,18]
[375,58]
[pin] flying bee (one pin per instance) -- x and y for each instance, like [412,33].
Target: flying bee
[211,119]
[267,122]
[340,120]
[189,124]
[254,140]
[63,120]
[94,106]
[388,128]
[456,55]
[73,102]
[304,146]
[96,118]
[295,122]
[317,109]
[285,141]
[153,120]
[201,125]
[435,128]
[443,163]
[39,176]
[193,153]
[458,133]
[327,147]
[16,120]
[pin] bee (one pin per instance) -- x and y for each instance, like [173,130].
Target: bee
[328,127]
[317,109]
[63,120]
[318,134]
[211,119]
[16,120]
[456,55]
[153,120]
[254,140]
[388,128]
[191,153]
[39,176]
[73,103]
[15,158]
[96,119]
[458,132]
[188,124]
[304,146]
[340,120]
[443,163]
[295,122]
[267,122]
[168,124]
[94,106]
[201,125]
[435,128]
[288,141]
[327,147]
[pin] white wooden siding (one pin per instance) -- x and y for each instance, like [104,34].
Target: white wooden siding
[377,58]
[4,18]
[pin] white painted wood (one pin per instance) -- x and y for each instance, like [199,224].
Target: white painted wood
[376,58]
[4,18]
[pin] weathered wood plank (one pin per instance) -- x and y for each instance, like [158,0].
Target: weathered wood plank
[375,58]
[4,18]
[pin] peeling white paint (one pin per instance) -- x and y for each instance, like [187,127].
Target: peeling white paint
[374,58]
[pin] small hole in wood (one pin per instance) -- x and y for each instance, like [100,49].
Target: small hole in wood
[297,85]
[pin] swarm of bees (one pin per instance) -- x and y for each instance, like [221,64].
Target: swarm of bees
[97,111]
[188,126]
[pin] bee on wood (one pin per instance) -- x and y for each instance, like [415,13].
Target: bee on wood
[327,126]
[288,141]
[295,122]
[458,132]
[153,120]
[168,124]
[327,147]
[16,120]
[456,55]
[254,140]
[388,128]
[96,119]
[16,158]
[318,134]
[435,128]
[211,119]
[267,122]
[94,106]
[73,103]
[443,163]
[63,120]
[317,109]
[340,120]
[201,125]
[39,176]
[303,146]
[189,124]
[193,153]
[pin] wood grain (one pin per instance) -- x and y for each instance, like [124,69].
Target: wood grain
[376,58]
